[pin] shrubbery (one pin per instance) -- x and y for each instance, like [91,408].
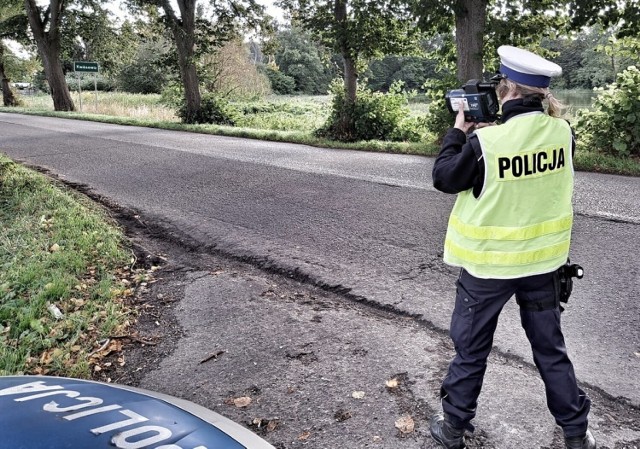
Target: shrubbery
[142,77]
[213,109]
[613,125]
[280,83]
[373,116]
[88,84]
[439,119]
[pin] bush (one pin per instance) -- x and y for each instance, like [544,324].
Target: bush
[439,119]
[142,77]
[280,83]
[285,114]
[172,95]
[87,83]
[213,109]
[373,116]
[611,126]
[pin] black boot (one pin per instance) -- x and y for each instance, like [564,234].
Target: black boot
[445,434]
[584,442]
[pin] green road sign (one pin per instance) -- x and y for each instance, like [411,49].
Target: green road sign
[83,66]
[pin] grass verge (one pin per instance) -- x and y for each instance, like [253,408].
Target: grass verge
[64,278]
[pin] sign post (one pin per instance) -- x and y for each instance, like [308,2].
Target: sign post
[87,67]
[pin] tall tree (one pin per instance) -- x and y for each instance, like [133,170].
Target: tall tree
[8,97]
[358,30]
[299,56]
[91,34]
[46,27]
[196,28]
[483,25]
[626,14]
[12,26]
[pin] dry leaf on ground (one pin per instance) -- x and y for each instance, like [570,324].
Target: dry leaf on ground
[405,424]
[392,383]
[358,394]
[304,436]
[244,401]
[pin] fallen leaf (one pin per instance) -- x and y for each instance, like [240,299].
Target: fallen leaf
[405,424]
[358,394]
[392,383]
[304,436]
[244,401]
[55,247]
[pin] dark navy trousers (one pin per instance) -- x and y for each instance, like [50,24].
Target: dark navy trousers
[473,323]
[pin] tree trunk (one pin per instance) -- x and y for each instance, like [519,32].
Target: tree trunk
[344,127]
[350,78]
[190,79]
[8,98]
[55,77]
[184,33]
[470,29]
[350,75]
[49,50]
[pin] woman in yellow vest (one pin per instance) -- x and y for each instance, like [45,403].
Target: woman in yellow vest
[510,231]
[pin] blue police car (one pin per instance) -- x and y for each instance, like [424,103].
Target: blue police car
[43,412]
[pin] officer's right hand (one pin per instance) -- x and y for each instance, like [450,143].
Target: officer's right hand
[461,123]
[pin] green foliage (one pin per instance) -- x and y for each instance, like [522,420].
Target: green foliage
[286,114]
[370,29]
[411,70]
[172,95]
[439,119]
[88,84]
[592,57]
[93,35]
[147,73]
[305,61]
[280,83]
[213,109]
[612,126]
[374,115]
[229,72]
[608,13]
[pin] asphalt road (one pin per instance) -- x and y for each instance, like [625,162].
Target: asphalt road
[364,225]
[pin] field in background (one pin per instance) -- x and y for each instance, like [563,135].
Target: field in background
[274,112]
[109,103]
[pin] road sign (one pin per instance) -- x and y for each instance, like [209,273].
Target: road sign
[84,66]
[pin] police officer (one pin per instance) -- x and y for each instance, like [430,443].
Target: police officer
[510,231]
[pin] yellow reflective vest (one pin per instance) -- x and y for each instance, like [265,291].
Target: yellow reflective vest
[520,224]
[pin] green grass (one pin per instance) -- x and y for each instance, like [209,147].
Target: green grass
[56,250]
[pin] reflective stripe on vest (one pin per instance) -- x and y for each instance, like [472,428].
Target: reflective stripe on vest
[520,225]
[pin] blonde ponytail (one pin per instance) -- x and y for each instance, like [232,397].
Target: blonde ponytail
[554,108]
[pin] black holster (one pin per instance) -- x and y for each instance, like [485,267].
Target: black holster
[566,273]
